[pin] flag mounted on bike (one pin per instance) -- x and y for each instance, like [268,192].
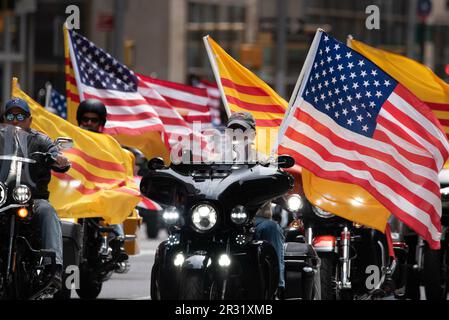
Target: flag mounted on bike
[243,91]
[351,122]
[55,102]
[190,102]
[214,99]
[100,182]
[93,73]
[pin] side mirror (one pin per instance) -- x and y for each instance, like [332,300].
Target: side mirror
[63,143]
[285,161]
[156,164]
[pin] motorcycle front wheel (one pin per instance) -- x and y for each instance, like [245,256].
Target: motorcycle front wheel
[328,270]
[192,286]
[432,274]
[89,288]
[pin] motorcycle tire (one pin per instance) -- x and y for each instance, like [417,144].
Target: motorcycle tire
[152,227]
[89,289]
[63,293]
[432,274]
[154,285]
[192,287]
[327,276]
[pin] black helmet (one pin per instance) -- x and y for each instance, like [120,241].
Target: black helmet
[92,105]
[241,120]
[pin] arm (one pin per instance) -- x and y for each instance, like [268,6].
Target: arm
[62,164]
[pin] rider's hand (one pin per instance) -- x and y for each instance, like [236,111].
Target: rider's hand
[62,162]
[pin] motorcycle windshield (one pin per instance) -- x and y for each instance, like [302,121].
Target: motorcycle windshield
[14,156]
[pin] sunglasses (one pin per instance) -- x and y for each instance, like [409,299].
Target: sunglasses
[19,117]
[92,120]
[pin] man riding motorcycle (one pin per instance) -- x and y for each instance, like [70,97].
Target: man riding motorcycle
[18,113]
[266,228]
[91,115]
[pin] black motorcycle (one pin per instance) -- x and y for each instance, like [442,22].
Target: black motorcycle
[210,252]
[22,274]
[96,249]
[354,260]
[426,267]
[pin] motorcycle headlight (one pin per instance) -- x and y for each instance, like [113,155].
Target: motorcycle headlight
[294,203]
[204,217]
[21,194]
[321,213]
[239,215]
[3,194]
[170,216]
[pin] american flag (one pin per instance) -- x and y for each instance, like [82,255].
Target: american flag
[351,122]
[190,102]
[100,76]
[214,100]
[58,104]
[133,106]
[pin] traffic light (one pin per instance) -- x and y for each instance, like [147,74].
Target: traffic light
[447,69]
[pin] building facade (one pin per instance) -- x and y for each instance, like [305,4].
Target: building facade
[163,38]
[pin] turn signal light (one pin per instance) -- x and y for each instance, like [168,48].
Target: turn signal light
[22,213]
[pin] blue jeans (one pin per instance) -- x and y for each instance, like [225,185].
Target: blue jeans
[46,219]
[270,231]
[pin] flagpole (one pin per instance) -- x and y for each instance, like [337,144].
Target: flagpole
[47,94]
[349,38]
[299,83]
[214,66]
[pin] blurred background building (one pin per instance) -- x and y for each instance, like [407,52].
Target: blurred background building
[163,38]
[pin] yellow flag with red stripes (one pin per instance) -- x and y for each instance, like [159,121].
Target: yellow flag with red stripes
[242,91]
[100,182]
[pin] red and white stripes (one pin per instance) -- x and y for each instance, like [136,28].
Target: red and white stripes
[399,166]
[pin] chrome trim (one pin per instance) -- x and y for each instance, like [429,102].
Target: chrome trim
[4,188]
[20,159]
[12,206]
[346,263]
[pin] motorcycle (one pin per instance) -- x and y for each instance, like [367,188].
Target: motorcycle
[210,252]
[302,264]
[426,267]
[96,249]
[22,271]
[354,260]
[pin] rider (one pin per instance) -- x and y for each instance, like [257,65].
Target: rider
[91,116]
[266,228]
[18,113]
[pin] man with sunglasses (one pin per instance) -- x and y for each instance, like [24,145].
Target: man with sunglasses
[18,113]
[91,115]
